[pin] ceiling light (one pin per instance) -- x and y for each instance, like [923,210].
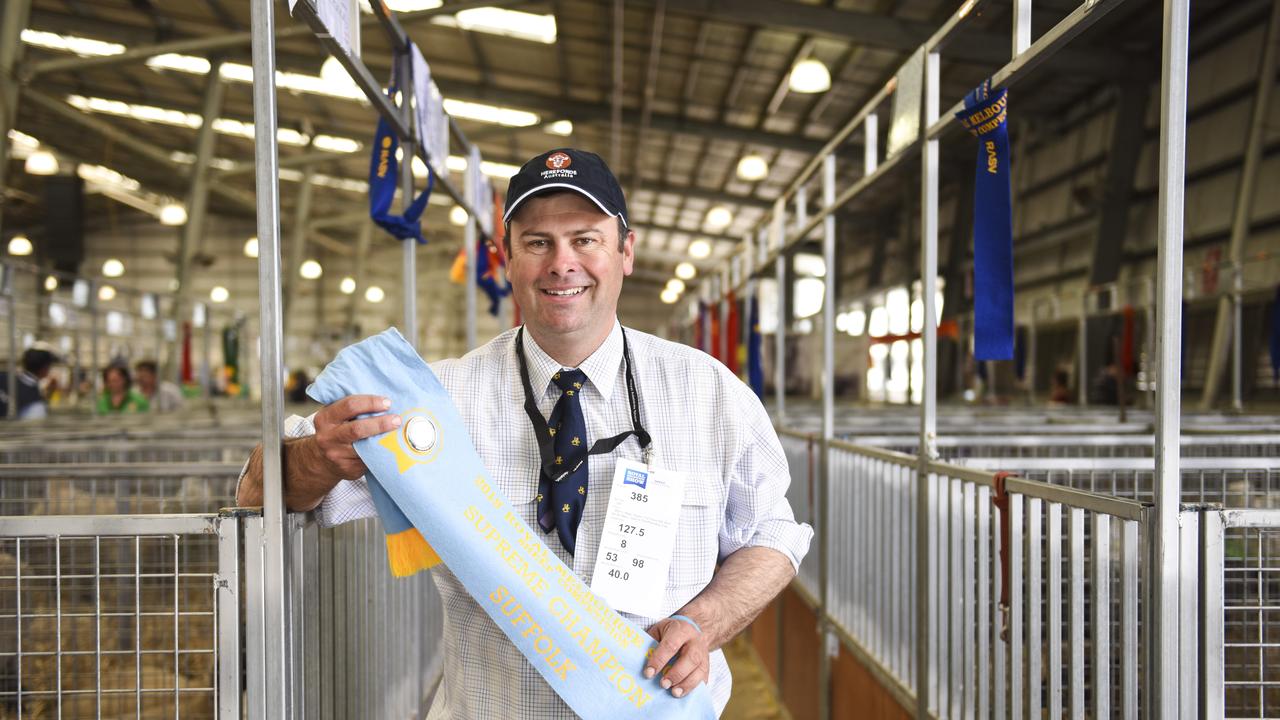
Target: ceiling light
[310,270]
[102,175]
[490,113]
[24,141]
[699,249]
[112,268]
[502,171]
[41,162]
[669,297]
[173,214]
[810,76]
[50,283]
[686,271]
[675,285]
[251,247]
[499,21]
[374,294]
[106,293]
[347,286]
[561,127]
[84,47]
[458,216]
[719,217]
[411,5]
[219,294]
[20,245]
[331,71]
[753,167]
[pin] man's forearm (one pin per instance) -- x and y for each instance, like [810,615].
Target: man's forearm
[746,582]
[307,477]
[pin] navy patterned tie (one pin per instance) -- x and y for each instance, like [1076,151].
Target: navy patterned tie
[560,502]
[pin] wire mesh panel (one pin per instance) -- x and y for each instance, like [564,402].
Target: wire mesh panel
[113,617]
[210,449]
[133,489]
[1044,444]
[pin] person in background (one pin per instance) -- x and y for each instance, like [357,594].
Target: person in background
[37,361]
[163,396]
[296,387]
[119,395]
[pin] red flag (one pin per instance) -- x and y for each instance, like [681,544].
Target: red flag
[734,332]
[715,331]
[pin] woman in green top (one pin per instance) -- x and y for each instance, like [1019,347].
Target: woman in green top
[119,395]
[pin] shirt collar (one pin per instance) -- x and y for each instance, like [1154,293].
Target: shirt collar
[601,366]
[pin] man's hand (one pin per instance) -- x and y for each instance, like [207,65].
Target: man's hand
[337,429]
[679,640]
[314,464]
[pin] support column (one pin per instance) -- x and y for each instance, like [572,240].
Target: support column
[828,433]
[15,17]
[193,231]
[409,247]
[1229,306]
[1164,636]
[275,543]
[929,390]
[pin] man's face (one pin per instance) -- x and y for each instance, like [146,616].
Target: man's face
[565,267]
[146,381]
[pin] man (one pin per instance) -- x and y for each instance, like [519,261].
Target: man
[569,247]
[37,361]
[163,396]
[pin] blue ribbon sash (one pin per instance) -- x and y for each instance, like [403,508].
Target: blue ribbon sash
[383,179]
[428,468]
[985,116]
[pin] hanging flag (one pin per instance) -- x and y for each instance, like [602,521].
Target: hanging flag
[1274,340]
[985,116]
[488,265]
[755,359]
[733,333]
[698,332]
[187,375]
[383,179]
[714,310]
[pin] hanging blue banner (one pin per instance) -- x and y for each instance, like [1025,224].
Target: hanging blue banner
[383,179]
[755,361]
[985,116]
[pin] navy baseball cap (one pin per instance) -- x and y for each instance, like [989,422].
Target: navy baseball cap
[567,169]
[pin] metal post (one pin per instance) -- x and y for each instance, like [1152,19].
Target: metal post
[11,307]
[1228,319]
[95,333]
[780,342]
[1237,337]
[828,431]
[1212,700]
[15,20]
[206,371]
[1082,377]
[471,236]
[929,390]
[198,193]
[277,630]
[1163,620]
[409,246]
[870,138]
[290,274]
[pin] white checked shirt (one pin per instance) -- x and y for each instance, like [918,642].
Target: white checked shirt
[703,420]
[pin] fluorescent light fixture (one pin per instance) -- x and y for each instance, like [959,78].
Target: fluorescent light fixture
[251,247]
[494,114]
[412,5]
[106,293]
[173,214]
[675,285]
[699,249]
[331,71]
[102,175]
[686,271]
[719,217]
[335,144]
[310,270]
[41,162]
[84,47]
[57,314]
[20,245]
[965,8]
[857,322]
[561,127]
[669,297]
[753,167]
[112,268]
[811,265]
[347,286]
[374,294]
[458,216]
[809,76]
[50,283]
[808,296]
[24,141]
[499,21]
[219,294]
[502,171]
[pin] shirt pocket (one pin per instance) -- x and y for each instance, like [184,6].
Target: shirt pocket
[697,544]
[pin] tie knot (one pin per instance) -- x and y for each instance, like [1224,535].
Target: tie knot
[568,380]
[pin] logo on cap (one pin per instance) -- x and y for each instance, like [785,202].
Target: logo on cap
[559,161]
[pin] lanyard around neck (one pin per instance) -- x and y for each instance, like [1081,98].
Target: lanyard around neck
[546,445]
